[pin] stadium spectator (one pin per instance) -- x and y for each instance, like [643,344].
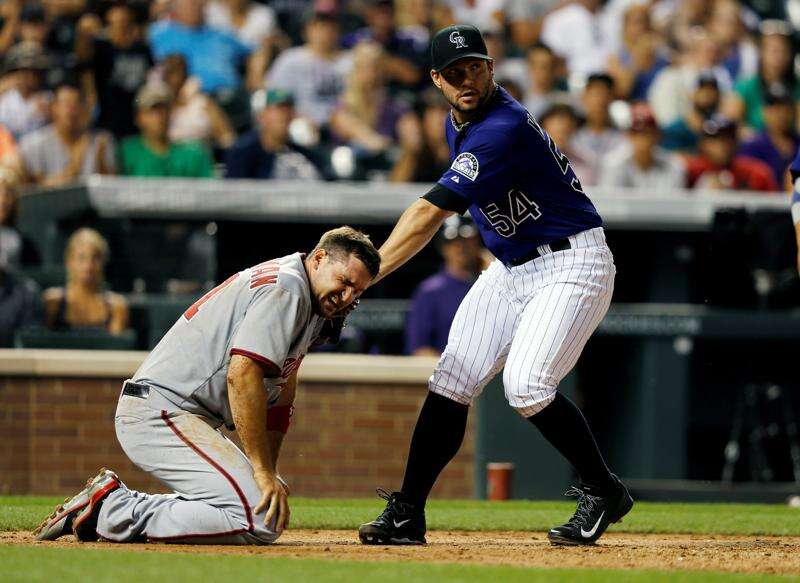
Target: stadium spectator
[640,58]
[678,22]
[83,303]
[213,56]
[484,14]
[598,136]
[152,153]
[9,24]
[525,19]
[267,151]
[68,148]
[370,120]
[739,54]
[669,95]
[117,66]
[506,68]
[777,144]
[9,153]
[436,299]
[50,26]
[251,22]
[33,26]
[24,103]
[403,60]
[683,134]
[544,86]
[315,72]
[719,167]
[775,68]
[640,163]
[416,20]
[561,120]
[16,250]
[575,33]
[20,305]
[195,116]
[432,157]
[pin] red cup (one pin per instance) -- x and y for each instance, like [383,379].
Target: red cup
[498,480]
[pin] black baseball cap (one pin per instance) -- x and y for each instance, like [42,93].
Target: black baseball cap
[459,41]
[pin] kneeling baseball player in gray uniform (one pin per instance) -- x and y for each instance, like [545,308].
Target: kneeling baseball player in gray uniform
[231,359]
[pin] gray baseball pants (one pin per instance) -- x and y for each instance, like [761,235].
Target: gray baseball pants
[214,490]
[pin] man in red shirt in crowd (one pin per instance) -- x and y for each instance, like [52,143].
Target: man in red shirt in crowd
[719,167]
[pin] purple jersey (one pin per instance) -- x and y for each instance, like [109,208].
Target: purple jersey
[522,191]
[795,166]
[433,307]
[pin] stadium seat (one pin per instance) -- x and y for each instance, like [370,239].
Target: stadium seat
[75,339]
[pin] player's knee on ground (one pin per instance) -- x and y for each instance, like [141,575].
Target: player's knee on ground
[531,395]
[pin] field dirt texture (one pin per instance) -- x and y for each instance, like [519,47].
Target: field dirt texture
[760,554]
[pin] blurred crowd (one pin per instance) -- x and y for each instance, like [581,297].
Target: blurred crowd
[654,94]
[650,94]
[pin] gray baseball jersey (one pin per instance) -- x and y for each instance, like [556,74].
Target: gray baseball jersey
[263,312]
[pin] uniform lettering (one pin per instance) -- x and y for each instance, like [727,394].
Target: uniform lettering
[264,274]
[195,307]
[560,157]
[520,209]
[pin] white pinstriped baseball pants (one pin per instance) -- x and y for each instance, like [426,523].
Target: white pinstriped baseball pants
[534,319]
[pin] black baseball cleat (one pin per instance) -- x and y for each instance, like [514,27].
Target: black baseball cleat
[399,524]
[596,510]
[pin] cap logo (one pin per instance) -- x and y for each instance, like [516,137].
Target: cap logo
[458,40]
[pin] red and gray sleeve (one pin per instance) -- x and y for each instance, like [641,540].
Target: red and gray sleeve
[272,322]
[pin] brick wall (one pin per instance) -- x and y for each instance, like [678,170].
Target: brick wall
[345,440]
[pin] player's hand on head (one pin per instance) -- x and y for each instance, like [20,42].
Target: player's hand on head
[274,494]
[347,309]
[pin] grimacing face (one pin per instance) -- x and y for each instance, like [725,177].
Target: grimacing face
[336,282]
[466,84]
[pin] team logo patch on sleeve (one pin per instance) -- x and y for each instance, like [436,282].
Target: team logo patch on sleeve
[467,165]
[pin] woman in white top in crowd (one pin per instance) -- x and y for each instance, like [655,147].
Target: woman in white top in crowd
[194,115]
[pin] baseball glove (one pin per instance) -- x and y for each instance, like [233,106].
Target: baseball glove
[332,328]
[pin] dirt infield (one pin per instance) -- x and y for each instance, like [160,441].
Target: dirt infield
[631,551]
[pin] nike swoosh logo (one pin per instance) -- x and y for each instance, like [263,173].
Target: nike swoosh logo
[402,522]
[590,533]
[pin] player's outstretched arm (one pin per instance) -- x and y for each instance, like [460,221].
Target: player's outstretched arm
[248,401]
[414,229]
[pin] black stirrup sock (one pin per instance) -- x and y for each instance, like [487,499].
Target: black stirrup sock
[565,427]
[437,438]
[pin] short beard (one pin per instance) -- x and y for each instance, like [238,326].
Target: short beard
[484,98]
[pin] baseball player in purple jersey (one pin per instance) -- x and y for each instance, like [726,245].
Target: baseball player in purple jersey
[794,169]
[231,360]
[531,312]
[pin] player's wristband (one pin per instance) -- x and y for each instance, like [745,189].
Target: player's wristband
[279,418]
